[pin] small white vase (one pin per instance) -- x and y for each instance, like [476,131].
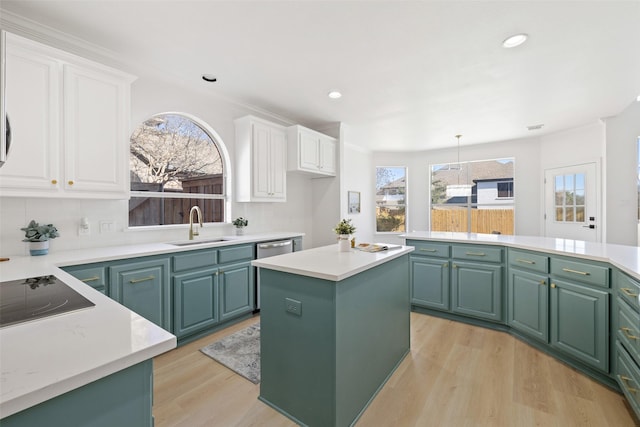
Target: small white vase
[344,245]
[239,231]
[39,248]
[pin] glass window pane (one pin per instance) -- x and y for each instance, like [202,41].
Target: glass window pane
[165,211]
[568,182]
[560,214]
[580,181]
[390,199]
[568,214]
[449,218]
[559,198]
[579,213]
[559,182]
[568,198]
[579,197]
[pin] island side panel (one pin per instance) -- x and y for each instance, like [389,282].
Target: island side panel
[372,333]
[297,353]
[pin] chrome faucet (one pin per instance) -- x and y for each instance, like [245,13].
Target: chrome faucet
[191,232]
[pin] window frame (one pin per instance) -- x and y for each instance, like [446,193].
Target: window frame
[406,200]
[226,179]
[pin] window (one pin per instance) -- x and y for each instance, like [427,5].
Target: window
[176,163]
[390,199]
[473,197]
[569,197]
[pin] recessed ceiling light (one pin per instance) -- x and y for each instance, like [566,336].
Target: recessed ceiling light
[209,78]
[334,94]
[515,40]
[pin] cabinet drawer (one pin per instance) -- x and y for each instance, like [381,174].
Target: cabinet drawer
[477,253]
[195,259]
[96,277]
[529,261]
[423,248]
[628,290]
[628,328]
[235,253]
[628,377]
[581,271]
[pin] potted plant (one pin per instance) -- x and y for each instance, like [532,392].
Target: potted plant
[344,229]
[38,237]
[240,223]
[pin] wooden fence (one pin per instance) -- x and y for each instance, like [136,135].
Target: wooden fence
[482,220]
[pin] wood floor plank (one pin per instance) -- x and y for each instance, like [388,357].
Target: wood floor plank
[455,375]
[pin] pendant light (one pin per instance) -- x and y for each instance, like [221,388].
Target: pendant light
[459,165]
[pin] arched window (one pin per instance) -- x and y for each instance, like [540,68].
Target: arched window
[176,161]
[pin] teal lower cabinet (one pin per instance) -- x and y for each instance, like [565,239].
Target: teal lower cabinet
[195,301]
[121,399]
[580,322]
[429,279]
[236,290]
[476,290]
[528,306]
[143,286]
[627,338]
[327,347]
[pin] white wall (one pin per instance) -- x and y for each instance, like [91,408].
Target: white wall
[622,132]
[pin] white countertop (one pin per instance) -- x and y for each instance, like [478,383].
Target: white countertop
[44,358]
[626,258]
[327,262]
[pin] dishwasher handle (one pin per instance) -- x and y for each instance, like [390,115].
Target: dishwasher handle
[275,244]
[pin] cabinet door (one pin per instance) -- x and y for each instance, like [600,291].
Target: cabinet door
[143,287]
[33,103]
[278,153]
[195,297]
[528,307]
[95,129]
[260,160]
[580,322]
[477,290]
[236,290]
[429,282]
[309,152]
[94,276]
[327,156]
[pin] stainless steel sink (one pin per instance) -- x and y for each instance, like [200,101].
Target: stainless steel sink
[198,242]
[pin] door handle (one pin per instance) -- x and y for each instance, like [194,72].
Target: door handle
[592,226]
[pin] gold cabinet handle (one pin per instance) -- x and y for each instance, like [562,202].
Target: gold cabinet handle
[90,279]
[543,282]
[476,253]
[526,261]
[454,266]
[144,279]
[583,273]
[70,182]
[627,333]
[625,380]
[553,285]
[628,292]
[54,181]
[428,250]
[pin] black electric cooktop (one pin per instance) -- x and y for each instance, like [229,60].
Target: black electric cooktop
[37,297]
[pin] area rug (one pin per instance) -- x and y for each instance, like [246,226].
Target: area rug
[239,352]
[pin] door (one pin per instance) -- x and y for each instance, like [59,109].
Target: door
[572,203]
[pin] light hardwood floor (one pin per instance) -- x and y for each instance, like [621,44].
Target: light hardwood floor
[456,375]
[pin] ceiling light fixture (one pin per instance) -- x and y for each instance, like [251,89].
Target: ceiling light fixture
[515,40]
[334,94]
[209,78]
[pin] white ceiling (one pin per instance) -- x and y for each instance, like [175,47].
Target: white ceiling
[413,73]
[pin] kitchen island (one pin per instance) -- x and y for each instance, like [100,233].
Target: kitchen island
[334,326]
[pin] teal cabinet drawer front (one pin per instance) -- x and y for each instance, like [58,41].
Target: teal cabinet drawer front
[477,253]
[423,248]
[628,377]
[528,260]
[628,290]
[194,259]
[235,253]
[628,328]
[96,277]
[581,271]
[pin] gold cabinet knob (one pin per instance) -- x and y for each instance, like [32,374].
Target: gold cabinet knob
[553,285]
[70,182]
[543,282]
[54,181]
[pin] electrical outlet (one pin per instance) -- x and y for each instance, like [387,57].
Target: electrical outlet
[84,229]
[107,227]
[292,306]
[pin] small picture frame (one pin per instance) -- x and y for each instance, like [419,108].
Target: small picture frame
[354,202]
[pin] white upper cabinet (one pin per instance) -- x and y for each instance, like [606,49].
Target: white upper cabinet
[261,162]
[311,152]
[69,123]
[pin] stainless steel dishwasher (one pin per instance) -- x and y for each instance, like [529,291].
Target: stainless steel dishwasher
[268,249]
